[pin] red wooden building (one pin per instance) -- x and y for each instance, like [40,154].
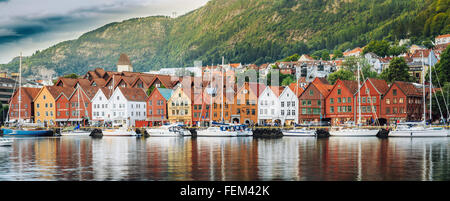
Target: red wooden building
[372,92]
[26,104]
[402,102]
[63,106]
[157,106]
[312,101]
[341,102]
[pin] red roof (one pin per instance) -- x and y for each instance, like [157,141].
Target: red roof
[134,94]
[380,85]
[443,36]
[408,88]
[299,89]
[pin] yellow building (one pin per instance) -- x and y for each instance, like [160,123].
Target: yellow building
[44,104]
[179,107]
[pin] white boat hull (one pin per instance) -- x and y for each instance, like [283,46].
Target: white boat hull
[166,133]
[6,142]
[76,133]
[119,132]
[206,133]
[419,133]
[354,133]
[299,133]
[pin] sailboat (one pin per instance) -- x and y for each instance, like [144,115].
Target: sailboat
[219,129]
[76,130]
[355,131]
[173,130]
[420,129]
[20,131]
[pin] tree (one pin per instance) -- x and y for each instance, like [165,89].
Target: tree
[287,81]
[337,54]
[397,50]
[341,74]
[397,71]
[73,75]
[294,57]
[380,48]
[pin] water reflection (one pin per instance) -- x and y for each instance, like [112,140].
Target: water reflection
[224,159]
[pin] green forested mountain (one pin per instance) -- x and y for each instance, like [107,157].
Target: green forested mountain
[245,31]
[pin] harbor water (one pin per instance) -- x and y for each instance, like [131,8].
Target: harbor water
[225,159]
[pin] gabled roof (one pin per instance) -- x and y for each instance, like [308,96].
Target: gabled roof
[351,85]
[31,93]
[134,94]
[407,88]
[299,89]
[443,36]
[72,82]
[256,88]
[99,81]
[323,86]
[380,85]
[166,93]
[277,90]
[107,92]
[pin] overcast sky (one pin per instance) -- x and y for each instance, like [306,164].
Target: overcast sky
[30,25]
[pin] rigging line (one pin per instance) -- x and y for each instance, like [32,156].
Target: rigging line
[439,105]
[443,97]
[371,102]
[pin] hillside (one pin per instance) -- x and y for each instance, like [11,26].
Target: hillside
[246,31]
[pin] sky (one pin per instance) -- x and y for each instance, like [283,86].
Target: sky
[30,25]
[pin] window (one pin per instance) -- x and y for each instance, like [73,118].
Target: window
[388,101]
[319,102]
[400,100]
[288,104]
[288,112]
[282,112]
[282,105]
[293,103]
[339,109]
[37,105]
[344,100]
[374,100]
[349,100]
[339,91]
[311,92]
[349,108]
[339,100]
[309,102]
[303,110]
[332,109]
[388,110]
[293,112]
[394,92]
[331,100]
[363,99]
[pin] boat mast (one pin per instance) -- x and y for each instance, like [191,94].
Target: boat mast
[221,115]
[431,93]
[359,98]
[79,109]
[211,94]
[20,84]
[424,99]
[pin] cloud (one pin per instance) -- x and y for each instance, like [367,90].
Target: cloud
[40,25]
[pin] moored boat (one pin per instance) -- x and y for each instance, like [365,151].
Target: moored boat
[168,131]
[119,132]
[302,132]
[28,132]
[218,131]
[417,130]
[6,142]
[354,132]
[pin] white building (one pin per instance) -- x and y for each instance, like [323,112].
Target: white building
[100,105]
[124,107]
[269,106]
[442,39]
[289,106]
